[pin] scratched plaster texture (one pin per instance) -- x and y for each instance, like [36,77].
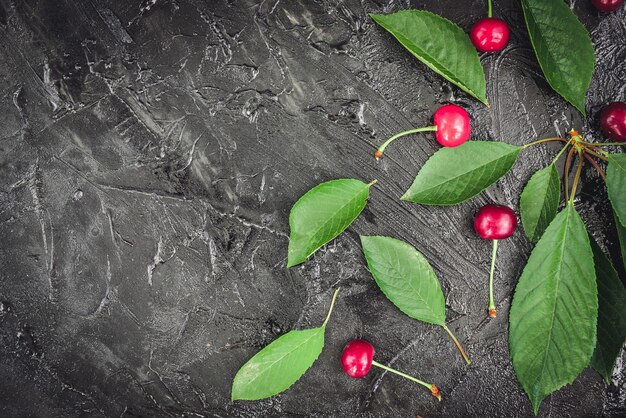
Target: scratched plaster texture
[150,153]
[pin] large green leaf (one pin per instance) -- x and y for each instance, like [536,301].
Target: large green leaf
[621,235]
[406,278]
[279,365]
[453,175]
[539,201]
[616,185]
[563,48]
[322,214]
[440,44]
[552,331]
[611,315]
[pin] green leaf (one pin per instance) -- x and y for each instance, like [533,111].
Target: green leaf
[611,315]
[563,48]
[322,214]
[616,185]
[406,278]
[539,201]
[552,331]
[440,44]
[621,234]
[279,365]
[453,175]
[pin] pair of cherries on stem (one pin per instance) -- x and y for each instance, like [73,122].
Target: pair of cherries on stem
[451,127]
[358,358]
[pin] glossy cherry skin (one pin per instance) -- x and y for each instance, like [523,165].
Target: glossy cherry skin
[495,222]
[357,358]
[607,5]
[453,125]
[490,34]
[613,121]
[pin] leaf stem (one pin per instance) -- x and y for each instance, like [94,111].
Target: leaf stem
[602,144]
[332,305]
[566,169]
[492,305]
[458,345]
[560,153]
[595,165]
[541,141]
[489,8]
[379,152]
[579,170]
[433,389]
[595,154]
[371,183]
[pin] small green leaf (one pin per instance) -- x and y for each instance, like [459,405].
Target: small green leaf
[611,315]
[406,278]
[552,331]
[563,48]
[322,214]
[453,175]
[279,365]
[616,185]
[440,44]
[539,201]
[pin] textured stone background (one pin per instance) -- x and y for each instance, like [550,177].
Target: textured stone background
[150,153]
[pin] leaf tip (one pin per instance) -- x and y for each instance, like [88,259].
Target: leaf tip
[291,262]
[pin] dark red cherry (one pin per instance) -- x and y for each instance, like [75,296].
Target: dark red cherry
[357,358]
[490,34]
[613,121]
[607,5]
[453,125]
[495,222]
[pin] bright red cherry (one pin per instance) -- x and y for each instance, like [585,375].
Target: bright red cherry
[607,5]
[357,358]
[490,34]
[495,222]
[453,125]
[613,121]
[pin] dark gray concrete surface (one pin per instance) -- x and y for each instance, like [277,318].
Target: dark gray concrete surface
[150,153]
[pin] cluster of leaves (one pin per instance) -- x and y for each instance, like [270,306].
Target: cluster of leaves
[569,307]
[561,43]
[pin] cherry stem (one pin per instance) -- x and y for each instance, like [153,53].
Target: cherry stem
[492,305]
[332,305]
[595,154]
[489,13]
[433,389]
[579,170]
[541,141]
[381,149]
[458,345]
[566,169]
[595,165]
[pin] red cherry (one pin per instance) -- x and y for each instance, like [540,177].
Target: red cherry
[357,358]
[453,125]
[495,222]
[490,34]
[613,121]
[607,5]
